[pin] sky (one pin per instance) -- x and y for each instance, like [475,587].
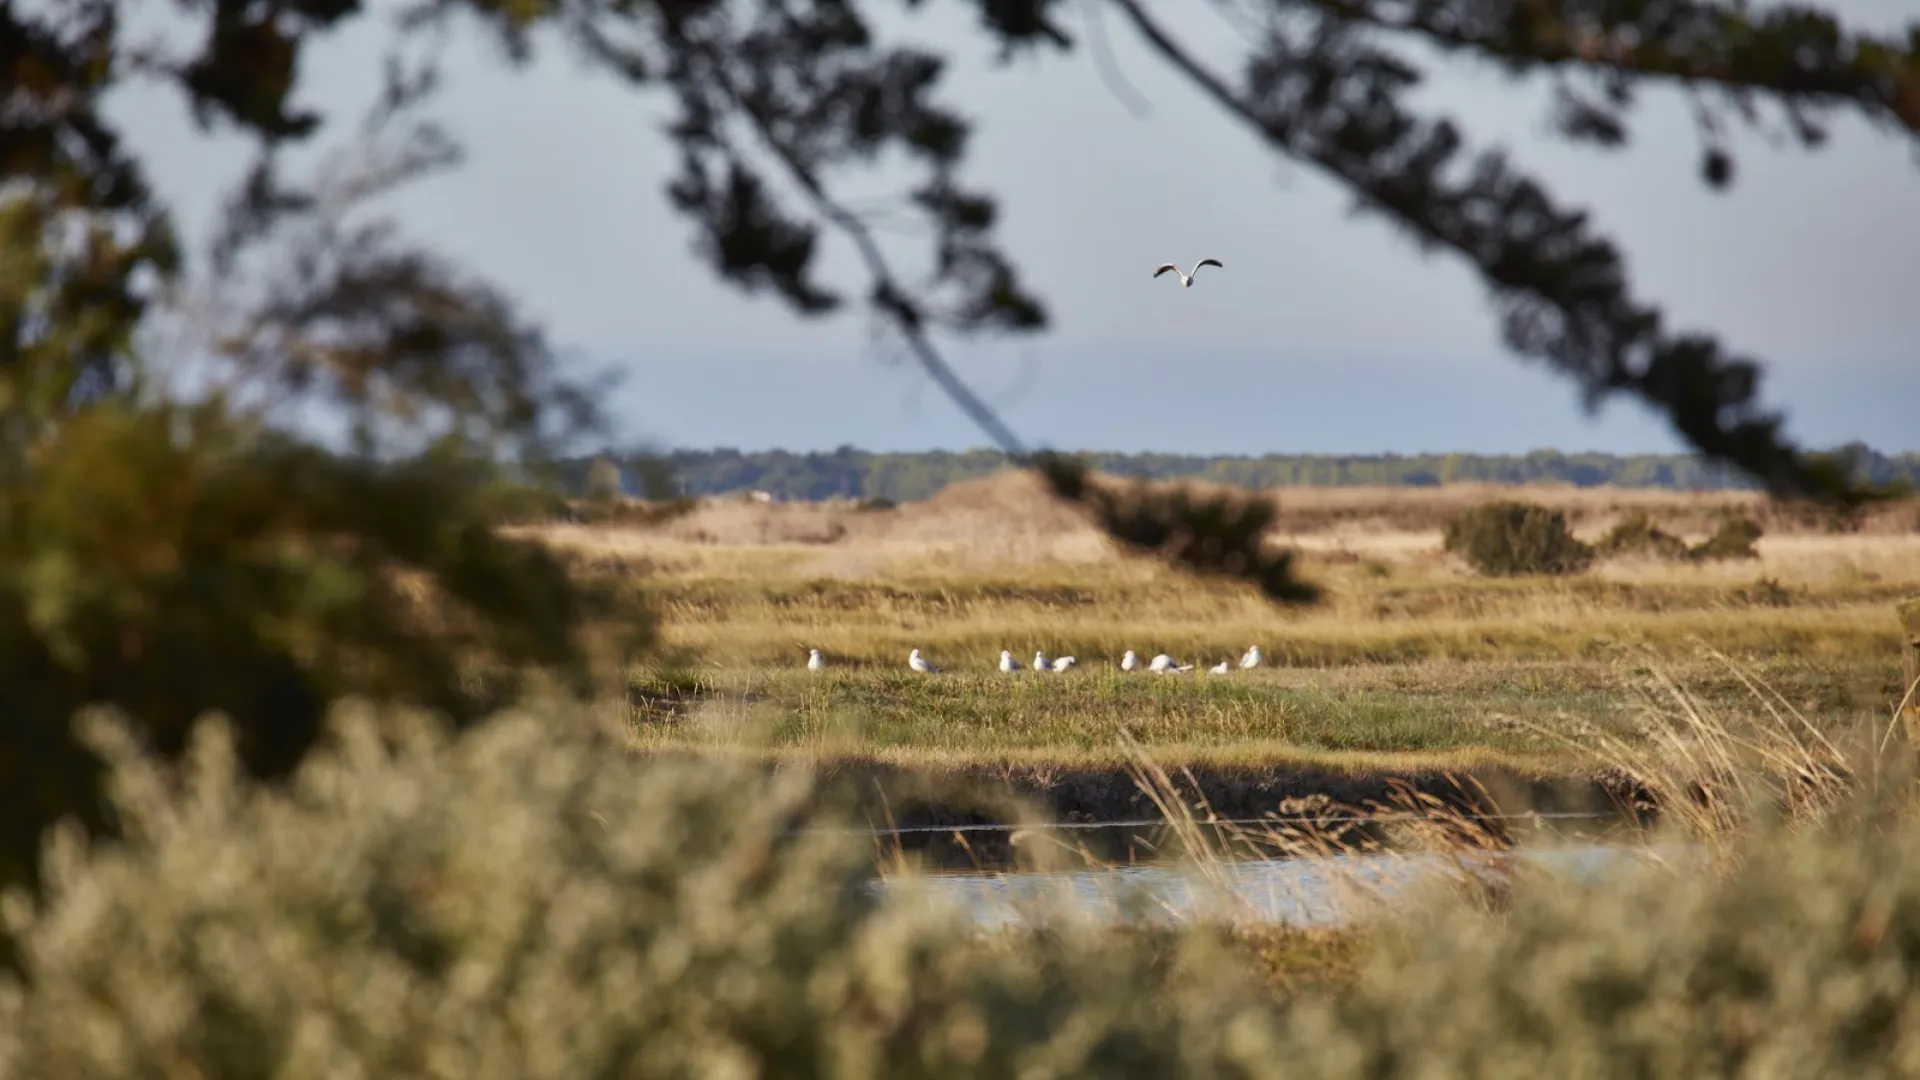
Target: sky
[1324,333]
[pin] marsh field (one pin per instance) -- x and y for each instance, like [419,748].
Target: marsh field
[1413,666]
[525,899]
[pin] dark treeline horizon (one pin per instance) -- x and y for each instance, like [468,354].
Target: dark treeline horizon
[851,473]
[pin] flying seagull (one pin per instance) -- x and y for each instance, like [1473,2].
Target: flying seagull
[1187,279]
[918,662]
[814,663]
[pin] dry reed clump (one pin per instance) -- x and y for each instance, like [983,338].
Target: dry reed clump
[523,903]
[1636,534]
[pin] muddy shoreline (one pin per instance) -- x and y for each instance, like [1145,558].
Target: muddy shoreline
[975,816]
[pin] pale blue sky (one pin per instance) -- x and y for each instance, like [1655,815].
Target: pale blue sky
[1325,333]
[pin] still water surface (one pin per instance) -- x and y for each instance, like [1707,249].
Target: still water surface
[1305,892]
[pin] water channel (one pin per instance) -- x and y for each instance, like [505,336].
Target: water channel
[1317,891]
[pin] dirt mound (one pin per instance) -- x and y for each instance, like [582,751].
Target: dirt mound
[1008,501]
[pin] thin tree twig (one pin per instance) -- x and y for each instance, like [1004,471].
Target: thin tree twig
[887,294]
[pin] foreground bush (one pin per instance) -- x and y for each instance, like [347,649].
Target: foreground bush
[1636,534]
[1503,538]
[527,902]
[168,562]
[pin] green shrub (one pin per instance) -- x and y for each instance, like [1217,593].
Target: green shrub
[1734,539]
[528,902]
[1636,534]
[1502,538]
[168,561]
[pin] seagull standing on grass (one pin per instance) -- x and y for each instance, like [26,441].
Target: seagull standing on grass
[814,663]
[1165,664]
[1129,661]
[918,662]
[1063,663]
[1218,669]
[1040,662]
[1007,662]
[1252,659]
[1187,279]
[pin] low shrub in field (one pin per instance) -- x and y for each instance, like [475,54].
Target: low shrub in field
[526,902]
[1636,534]
[1734,539]
[1502,538]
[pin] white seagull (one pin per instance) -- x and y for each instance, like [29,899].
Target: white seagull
[1040,662]
[1164,664]
[1252,659]
[1187,279]
[1063,663]
[1218,669]
[1129,661]
[1007,662]
[814,663]
[918,662]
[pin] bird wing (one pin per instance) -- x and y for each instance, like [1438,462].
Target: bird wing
[1164,267]
[1208,262]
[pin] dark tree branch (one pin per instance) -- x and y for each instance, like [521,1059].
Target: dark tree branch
[810,102]
[1798,56]
[1333,101]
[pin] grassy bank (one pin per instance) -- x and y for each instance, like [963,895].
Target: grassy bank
[1412,661]
[1413,666]
[1432,714]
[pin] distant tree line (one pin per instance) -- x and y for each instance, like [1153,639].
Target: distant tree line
[901,477]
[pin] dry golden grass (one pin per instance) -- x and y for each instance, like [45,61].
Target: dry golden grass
[1010,513]
[1410,653]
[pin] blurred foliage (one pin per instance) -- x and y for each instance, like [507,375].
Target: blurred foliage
[528,902]
[1503,538]
[172,538]
[906,476]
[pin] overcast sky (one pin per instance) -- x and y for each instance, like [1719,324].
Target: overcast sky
[1325,333]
